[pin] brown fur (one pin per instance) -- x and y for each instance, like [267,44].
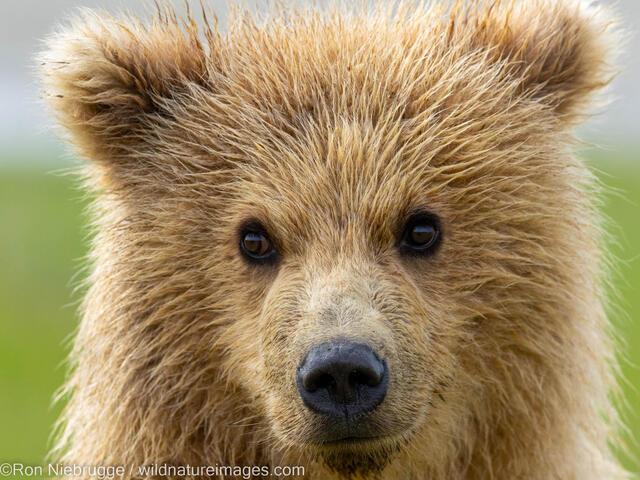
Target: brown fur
[331,128]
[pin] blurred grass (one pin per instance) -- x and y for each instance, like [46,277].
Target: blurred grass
[41,244]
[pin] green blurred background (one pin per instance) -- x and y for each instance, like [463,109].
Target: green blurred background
[43,235]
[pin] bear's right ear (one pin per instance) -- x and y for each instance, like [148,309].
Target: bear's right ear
[105,79]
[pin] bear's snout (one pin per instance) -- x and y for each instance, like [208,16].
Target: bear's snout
[342,379]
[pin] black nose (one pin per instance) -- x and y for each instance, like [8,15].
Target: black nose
[342,379]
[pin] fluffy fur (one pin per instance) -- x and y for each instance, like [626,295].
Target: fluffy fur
[331,127]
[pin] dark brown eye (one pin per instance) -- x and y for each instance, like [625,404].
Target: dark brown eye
[255,244]
[421,235]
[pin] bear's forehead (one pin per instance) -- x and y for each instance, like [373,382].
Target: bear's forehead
[311,202]
[307,172]
[354,176]
[332,133]
[352,179]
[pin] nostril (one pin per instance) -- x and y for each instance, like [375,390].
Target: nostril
[365,376]
[318,379]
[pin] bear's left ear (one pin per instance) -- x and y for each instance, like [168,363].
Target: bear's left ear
[107,80]
[561,50]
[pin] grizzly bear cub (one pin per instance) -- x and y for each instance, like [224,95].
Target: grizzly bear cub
[354,240]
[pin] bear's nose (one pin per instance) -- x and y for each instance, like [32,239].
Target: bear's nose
[342,379]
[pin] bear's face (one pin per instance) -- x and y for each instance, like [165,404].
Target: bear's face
[347,263]
[344,236]
[359,239]
[337,222]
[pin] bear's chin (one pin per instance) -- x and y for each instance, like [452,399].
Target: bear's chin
[349,459]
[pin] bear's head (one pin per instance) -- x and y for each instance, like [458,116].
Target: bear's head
[355,239]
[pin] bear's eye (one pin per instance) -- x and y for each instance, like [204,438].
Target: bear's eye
[256,245]
[421,234]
